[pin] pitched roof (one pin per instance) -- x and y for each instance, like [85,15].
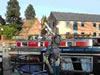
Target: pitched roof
[30,27]
[62,16]
[28,23]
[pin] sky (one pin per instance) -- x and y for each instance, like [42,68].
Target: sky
[44,7]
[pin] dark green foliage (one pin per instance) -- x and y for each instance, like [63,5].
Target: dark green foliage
[45,19]
[16,26]
[13,12]
[2,21]
[30,12]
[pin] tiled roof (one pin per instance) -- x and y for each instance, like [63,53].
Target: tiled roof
[30,27]
[62,16]
[28,23]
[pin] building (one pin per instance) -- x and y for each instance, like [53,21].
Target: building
[30,28]
[74,24]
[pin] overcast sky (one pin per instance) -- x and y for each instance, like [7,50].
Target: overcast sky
[44,7]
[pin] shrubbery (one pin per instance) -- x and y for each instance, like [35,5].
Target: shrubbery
[8,31]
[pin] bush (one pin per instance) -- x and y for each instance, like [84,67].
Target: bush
[8,31]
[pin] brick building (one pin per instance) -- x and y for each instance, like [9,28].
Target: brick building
[74,24]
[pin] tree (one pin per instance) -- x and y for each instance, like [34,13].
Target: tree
[13,12]
[30,12]
[2,21]
[43,20]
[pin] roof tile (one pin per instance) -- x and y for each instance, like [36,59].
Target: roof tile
[62,16]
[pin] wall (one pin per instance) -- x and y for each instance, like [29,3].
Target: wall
[87,29]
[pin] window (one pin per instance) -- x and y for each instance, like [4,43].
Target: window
[75,26]
[82,24]
[99,27]
[41,43]
[24,43]
[82,33]
[67,24]
[75,34]
[94,24]
[69,44]
[94,34]
[68,33]
[53,24]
